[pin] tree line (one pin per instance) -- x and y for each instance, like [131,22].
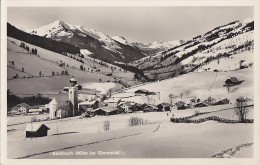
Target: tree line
[13,100]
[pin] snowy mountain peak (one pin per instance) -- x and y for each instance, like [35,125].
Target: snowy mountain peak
[51,29]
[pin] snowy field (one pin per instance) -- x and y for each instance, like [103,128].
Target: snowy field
[160,138]
[196,85]
[24,119]
[103,87]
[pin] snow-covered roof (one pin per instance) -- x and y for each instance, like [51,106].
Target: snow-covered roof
[112,100]
[180,103]
[225,101]
[107,109]
[54,101]
[142,90]
[35,110]
[234,79]
[165,104]
[32,127]
[73,79]
[23,105]
[60,99]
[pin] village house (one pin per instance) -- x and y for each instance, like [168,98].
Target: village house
[89,94]
[22,108]
[172,107]
[36,110]
[36,130]
[112,102]
[106,111]
[150,108]
[180,105]
[222,102]
[127,107]
[233,81]
[201,104]
[141,92]
[138,107]
[164,107]
[89,106]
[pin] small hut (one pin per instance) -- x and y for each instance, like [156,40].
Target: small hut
[36,130]
[233,81]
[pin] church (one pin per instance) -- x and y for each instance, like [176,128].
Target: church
[61,106]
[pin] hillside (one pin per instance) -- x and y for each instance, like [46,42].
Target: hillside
[224,46]
[99,44]
[24,68]
[195,85]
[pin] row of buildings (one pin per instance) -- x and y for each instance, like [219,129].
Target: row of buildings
[69,105]
[25,109]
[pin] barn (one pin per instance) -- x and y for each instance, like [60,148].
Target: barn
[233,81]
[105,111]
[36,130]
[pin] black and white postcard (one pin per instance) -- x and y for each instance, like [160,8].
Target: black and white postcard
[130,82]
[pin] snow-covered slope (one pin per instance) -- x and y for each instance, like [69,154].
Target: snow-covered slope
[230,46]
[100,44]
[121,40]
[195,85]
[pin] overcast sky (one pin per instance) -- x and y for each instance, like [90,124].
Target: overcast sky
[141,24]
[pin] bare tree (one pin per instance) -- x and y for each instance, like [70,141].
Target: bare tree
[109,93]
[181,95]
[170,97]
[106,125]
[228,87]
[241,109]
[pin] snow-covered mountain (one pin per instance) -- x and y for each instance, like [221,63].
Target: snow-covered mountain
[157,46]
[99,44]
[227,47]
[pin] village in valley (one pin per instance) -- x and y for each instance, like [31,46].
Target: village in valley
[185,99]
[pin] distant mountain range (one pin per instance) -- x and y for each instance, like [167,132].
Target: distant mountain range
[227,47]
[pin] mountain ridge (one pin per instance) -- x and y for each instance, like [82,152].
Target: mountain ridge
[222,42]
